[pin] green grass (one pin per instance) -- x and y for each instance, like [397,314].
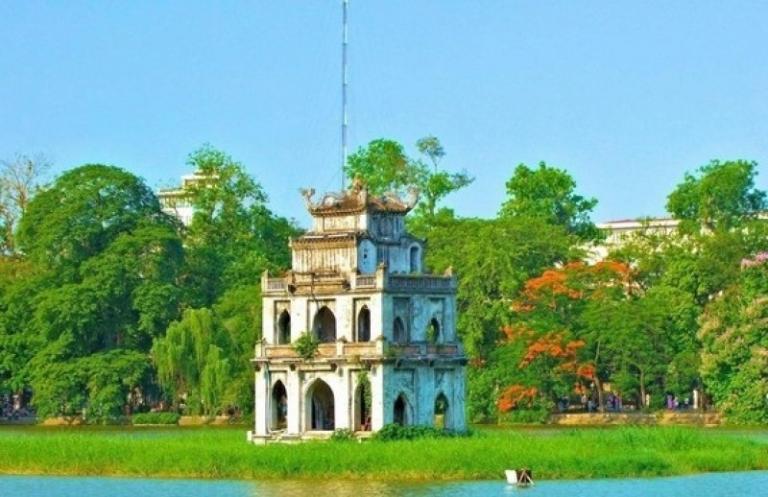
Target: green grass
[223,453]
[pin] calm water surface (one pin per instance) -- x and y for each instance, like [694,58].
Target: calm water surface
[751,484]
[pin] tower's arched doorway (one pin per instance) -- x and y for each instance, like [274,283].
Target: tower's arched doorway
[364,325]
[320,406]
[284,328]
[324,325]
[400,413]
[363,406]
[441,412]
[279,406]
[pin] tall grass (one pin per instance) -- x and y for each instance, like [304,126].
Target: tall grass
[224,453]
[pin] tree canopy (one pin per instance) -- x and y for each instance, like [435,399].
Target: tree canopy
[384,166]
[233,236]
[549,193]
[719,195]
[109,306]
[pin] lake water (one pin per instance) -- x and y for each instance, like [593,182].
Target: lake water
[751,484]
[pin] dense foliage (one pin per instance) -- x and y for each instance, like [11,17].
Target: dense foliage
[91,303]
[109,307]
[155,418]
[395,431]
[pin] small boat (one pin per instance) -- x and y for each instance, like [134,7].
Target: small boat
[519,478]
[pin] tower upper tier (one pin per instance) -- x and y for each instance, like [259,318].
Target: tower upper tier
[353,232]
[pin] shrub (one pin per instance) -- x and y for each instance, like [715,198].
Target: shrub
[526,416]
[306,346]
[343,435]
[413,432]
[155,418]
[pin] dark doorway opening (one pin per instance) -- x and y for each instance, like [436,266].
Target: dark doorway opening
[321,407]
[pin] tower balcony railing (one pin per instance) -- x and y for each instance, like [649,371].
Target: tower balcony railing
[275,285]
[420,282]
[378,348]
[380,281]
[365,281]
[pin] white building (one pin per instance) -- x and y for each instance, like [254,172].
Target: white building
[619,232]
[176,201]
[388,349]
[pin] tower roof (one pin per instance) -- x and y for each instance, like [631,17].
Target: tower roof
[357,200]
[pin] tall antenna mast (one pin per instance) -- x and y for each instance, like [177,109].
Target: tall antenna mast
[343,90]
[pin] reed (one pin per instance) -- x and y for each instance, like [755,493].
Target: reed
[212,452]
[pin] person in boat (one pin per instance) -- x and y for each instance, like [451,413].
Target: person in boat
[524,477]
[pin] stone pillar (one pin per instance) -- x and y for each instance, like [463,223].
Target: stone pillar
[261,399]
[342,401]
[378,397]
[295,404]
[458,407]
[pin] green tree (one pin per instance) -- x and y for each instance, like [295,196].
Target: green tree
[233,236]
[106,261]
[83,212]
[203,360]
[720,195]
[493,259]
[548,193]
[735,345]
[384,166]
[434,185]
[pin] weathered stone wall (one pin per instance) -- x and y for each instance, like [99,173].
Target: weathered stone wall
[420,385]
[302,310]
[343,382]
[416,311]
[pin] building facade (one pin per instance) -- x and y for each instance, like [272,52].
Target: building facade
[386,331]
[177,202]
[619,232]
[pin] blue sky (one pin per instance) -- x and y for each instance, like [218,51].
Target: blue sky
[626,96]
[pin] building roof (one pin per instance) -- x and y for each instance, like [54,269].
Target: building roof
[663,222]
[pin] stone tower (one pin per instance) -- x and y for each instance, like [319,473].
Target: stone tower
[388,350]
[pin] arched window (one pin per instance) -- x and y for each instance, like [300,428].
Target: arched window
[320,404]
[433,331]
[284,328]
[364,325]
[441,412]
[324,325]
[399,334]
[279,406]
[400,413]
[414,257]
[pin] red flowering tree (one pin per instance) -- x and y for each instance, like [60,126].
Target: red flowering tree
[559,332]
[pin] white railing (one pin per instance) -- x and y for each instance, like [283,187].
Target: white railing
[365,281]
